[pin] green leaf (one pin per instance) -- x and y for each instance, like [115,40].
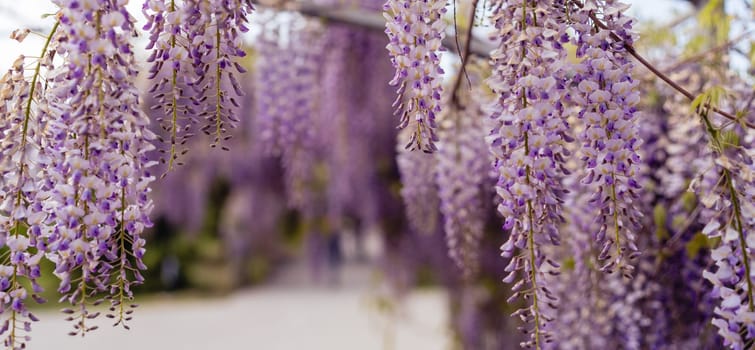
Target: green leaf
[696,244]
[711,97]
[689,201]
[712,18]
[729,139]
[568,264]
[659,218]
[697,102]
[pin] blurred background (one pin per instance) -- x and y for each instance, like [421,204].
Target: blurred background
[297,240]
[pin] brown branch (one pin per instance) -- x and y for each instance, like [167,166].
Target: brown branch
[464,57]
[679,20]
[366,19]
[701,55]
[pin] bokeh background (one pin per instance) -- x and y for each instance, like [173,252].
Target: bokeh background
[233,264]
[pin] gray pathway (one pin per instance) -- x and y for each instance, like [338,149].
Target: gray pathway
[290,314]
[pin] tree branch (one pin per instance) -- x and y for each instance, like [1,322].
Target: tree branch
[371,20]
[464,57]
[706,52]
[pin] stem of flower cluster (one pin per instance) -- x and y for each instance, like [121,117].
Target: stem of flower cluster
[737,210]
[21,167]
[218,76]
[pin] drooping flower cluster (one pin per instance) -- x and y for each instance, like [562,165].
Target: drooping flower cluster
[461,175]
[419,192]
[289,66]
[322,131]
[583,320]
[727,196]
[528,141]
[607,97]
[273,80]
[99,177]
[663,305]
[416,30]
[350,161]
[23,159]
[296,128]
[76,177]
[675,150]
[214,30]
[169,24]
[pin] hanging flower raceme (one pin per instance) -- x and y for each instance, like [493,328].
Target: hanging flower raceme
[351,118]
[348,126]
[171,71]
[727,194]
[461,175]
[272,79]
[583,320]
[99,178]
[419,191]
[23,158]
[214,29]
[415,30]
[729,210]
[300,152]
[290,52]
[675,149]
[607,97]
[528,142]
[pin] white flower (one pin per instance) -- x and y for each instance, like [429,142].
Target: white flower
[113,19]
[730,299]
[18,243]
[721,252]
[6,271]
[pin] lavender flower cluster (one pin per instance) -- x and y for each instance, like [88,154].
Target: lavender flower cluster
[75,189]
[416,30]
[195,46]
[79,194]
[418,190]
[607,97]
[666,203]
[529,141]
[461,177]
[727,197]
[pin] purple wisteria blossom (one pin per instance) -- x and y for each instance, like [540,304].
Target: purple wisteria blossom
[300,151]
[214,29]
[677,302]
[415,30]
[461,175]
[171,71]
[350,162]
[99,176]
[583,320]
[528,141]
[272,79]
[419,190]
[606,96]
[23,159]
[588,176]
[727,196]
